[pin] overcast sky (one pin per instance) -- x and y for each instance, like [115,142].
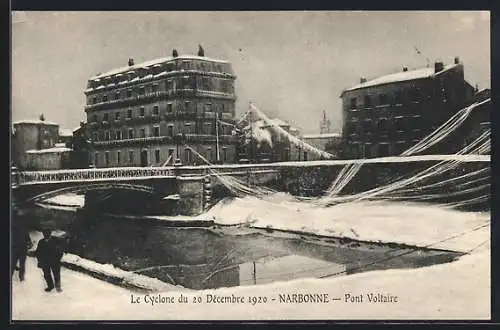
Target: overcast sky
[292,65]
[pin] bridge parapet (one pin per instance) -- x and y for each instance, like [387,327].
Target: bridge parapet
[127,173]
[99,174]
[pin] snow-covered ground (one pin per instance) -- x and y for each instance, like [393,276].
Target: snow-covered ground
[109,271]
[397,222]
[68,199]
[457,290]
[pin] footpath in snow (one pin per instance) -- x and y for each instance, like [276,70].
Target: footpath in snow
[457,290]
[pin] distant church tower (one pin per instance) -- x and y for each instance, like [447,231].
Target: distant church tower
[324,125]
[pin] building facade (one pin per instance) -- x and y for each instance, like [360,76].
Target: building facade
[32,135]
[81,147]
[147,114]
[55,158]
[387,115]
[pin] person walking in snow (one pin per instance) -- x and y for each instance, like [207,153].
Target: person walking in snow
[21,243]
[49,254]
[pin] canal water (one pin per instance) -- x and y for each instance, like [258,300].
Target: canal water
[202,258]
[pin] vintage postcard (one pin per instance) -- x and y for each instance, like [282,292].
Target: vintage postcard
[281,165]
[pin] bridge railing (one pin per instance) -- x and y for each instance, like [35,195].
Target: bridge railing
[93,174]
[101,174]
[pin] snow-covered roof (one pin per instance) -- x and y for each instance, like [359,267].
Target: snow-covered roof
[150,63]
[65,132]
[321,136]
[402,76]
[48,150]
[262,123]
[280,122]
[34,122]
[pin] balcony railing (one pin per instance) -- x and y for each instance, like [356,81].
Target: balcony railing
[158,95]
[208,138]
[134,140]
[197,138]
[98,174]
[154,78]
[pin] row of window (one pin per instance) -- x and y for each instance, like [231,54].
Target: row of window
[155,111]
[185,65]
[377,149]
[142,112]
[131,133]
[399,97]
[116,158]
[383,124]
[188,82]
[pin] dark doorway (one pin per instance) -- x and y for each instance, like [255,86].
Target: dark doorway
[144,158]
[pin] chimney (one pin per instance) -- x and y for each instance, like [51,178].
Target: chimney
[130,61]
[42,117]
[457,60]
[175,53]
[405,68]
[201,51]
[362,80]
[438,66]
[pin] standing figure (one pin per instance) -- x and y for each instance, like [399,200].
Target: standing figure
[21,243]
[49,254]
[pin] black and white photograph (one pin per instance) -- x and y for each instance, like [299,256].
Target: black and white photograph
[250,165]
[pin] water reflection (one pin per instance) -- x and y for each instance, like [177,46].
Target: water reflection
[286,268]
[201,258]
[261,271]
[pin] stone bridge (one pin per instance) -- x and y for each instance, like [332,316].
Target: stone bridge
[187,183]
[196,186]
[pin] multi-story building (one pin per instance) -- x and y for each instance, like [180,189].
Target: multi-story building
[32,135]
[146,114]
[387,115]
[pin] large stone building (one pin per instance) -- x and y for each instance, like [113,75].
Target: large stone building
[387,115]
[145,114]
[32,135]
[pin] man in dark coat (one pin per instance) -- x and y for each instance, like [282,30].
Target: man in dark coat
[21,243]
[49,254]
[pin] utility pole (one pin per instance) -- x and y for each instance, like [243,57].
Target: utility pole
[217,136]
[254,274]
